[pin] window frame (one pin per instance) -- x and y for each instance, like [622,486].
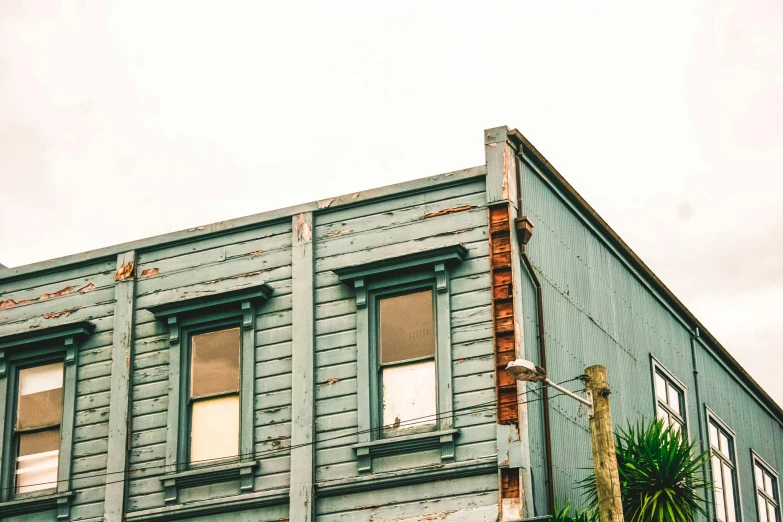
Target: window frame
[229,309]
[207,325]
[658,368]
[376,367]
[756,460]
[58,343]
[712,418]
[385,277]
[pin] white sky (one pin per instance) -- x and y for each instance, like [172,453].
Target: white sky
[121,120]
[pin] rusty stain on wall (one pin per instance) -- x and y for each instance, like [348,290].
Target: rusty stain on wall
[126,271]
[445,211]
[149,272]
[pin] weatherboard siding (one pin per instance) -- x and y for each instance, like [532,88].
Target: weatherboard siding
[84,293]
[211,266]
[361,234]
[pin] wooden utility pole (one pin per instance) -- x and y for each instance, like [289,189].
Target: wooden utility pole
[607,478]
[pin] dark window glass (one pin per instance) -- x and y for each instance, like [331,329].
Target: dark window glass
[406,327]
[215,363]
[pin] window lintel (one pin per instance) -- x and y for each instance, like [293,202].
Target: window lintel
[447,255]
[164,311]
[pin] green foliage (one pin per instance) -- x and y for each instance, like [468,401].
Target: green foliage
[660,475]
[564,515]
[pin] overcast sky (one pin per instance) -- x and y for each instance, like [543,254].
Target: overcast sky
[121,120]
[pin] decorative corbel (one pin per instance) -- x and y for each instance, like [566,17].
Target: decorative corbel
[247,315]
[441,278]
[173,329]
[361,292]
[70,350]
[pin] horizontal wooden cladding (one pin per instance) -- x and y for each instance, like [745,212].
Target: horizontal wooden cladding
[503,312]
[356,235]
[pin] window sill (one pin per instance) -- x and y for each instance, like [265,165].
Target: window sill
[209,475]
[443,439]
[60,501]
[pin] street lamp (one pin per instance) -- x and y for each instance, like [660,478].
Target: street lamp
[607,478]
[524,370]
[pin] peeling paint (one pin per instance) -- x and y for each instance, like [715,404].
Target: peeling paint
[64,313]
[8,303]
[304,231]
[149,272]
[195,228]
[237,276]
[324,203]
[255,253]
[127,270]
[332,380]
[445,211]
[337,233]
[87,288]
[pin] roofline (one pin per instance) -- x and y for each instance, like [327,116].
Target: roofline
[233,225]
[526,149]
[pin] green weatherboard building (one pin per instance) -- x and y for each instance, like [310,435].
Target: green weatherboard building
[343,360]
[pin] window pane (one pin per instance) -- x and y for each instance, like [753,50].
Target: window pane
[763,509]
[407,327]
[768,487]
[36,466]
[40,397]
[771,512]
[676,426]
[713,435]
[728,479]
[409,393]
[674,399]
[759,474]
[724,444]
[717,478]
[215,363]
[214,429]
[663,416]
[660,387]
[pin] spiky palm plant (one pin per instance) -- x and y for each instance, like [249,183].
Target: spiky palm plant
[565,515]
[660,475]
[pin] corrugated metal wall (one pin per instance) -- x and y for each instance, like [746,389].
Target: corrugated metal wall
[598,312]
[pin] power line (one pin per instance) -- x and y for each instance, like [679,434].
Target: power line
[478,408]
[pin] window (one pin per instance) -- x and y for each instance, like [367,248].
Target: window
[403,323]
[38,384]
[407,363]
[214,396]
[724,474]
[211,389]
[766,481]
[39,414]
[669,398]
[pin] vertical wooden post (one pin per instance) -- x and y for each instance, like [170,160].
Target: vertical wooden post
[607,478]
[119,399]
[302,425]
